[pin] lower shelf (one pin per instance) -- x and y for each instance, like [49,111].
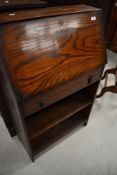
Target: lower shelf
[59,120]
[58,132]
[44,120]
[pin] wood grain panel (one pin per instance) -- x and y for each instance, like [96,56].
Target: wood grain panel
[41,101]
[43,54]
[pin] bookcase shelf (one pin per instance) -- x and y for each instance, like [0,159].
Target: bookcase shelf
[58,132]
[56,113]
[48,126]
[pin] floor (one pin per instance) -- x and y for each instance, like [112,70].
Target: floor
[90,151]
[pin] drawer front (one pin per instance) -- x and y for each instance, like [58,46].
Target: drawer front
[45,53]
[40,102]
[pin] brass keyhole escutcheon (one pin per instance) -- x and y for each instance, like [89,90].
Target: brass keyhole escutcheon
[41,104]
[89,80]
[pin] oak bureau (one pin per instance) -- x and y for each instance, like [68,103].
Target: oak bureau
[51,61]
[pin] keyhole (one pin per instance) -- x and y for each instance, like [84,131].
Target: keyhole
[41,104]
[89,80]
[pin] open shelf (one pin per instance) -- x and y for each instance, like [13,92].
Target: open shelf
[56,113]
[59,132]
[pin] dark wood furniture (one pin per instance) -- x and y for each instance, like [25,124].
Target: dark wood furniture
[106,7]
[51,61]
[113,29]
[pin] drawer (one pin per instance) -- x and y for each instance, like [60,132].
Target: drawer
[41,101]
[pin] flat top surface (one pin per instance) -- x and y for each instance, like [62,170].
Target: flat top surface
[20,15]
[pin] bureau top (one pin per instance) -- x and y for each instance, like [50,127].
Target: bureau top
[19,15]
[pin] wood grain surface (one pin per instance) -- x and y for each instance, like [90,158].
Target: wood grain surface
[44,59]
[41,101]
[43,54]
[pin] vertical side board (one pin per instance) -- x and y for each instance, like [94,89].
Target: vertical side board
[11,100]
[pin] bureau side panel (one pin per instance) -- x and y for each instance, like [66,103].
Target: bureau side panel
[11,100]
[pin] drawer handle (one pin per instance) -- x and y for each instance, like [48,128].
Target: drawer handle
[41,104]
[90,79]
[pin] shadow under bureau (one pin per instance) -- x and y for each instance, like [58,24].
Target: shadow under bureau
[51,61]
